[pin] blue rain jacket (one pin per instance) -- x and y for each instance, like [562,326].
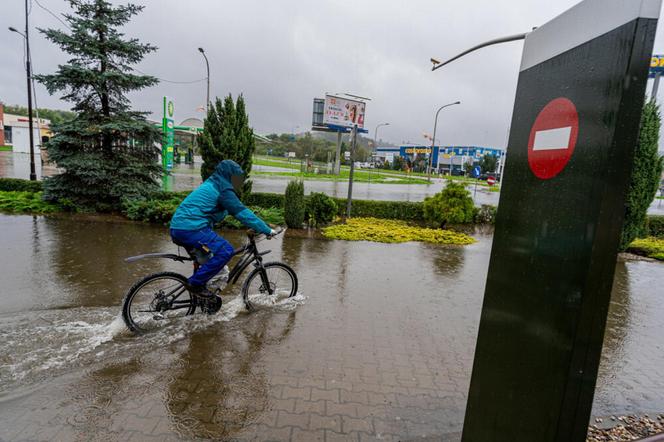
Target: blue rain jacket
[213,200]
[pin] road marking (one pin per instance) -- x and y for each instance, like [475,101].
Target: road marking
[552,139]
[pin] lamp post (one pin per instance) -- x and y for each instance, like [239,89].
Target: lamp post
[433,138]
[28,70]
[207,65]
[376,139]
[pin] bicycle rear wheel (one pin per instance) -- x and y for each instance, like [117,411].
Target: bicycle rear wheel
[155,299]
[275,280]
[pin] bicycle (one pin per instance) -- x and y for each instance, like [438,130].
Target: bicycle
[164,295]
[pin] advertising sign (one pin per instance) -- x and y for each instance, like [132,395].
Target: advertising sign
[656,65]
[558,228]
[168,130]
[343,112]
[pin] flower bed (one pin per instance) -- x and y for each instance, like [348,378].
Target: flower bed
[392,231]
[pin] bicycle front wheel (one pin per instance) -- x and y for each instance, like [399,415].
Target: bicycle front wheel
[155,299]
[274,280]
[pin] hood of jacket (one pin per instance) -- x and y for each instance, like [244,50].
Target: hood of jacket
[221,177]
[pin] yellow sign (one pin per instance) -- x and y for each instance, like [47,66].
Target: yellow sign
[416,150]
[657,61]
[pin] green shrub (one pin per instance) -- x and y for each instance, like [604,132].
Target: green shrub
[485,214]
[265,200]
[294,204]
[19,185]
[650,247]
[26,202]
[321,209]
[158,211]
[646,175]
[655,226]
[403,210]
[272,215]
[451,205]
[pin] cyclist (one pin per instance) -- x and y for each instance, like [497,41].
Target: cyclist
[193,220]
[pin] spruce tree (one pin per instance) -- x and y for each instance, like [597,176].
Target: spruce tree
[107,151]
[227,136]
[646,175]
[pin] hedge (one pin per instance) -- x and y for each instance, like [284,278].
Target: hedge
[19,185]
[655,226]
[404,210]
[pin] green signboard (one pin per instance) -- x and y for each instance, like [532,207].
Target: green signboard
[168,130]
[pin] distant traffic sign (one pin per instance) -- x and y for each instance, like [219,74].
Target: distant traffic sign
[553,138]
[491,181]
[477,172]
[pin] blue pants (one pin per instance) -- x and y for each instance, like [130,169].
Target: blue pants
[221,252]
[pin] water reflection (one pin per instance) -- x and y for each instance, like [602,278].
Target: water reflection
[215,391]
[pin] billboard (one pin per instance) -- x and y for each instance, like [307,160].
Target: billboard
[656,65]
[343,112]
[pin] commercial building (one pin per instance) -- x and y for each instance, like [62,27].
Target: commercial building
[15,132]
[445,159]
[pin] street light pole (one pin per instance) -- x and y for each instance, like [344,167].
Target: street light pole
[207,64]
[28,70]
[433,138]
[376,135]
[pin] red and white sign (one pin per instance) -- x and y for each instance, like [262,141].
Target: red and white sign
[553,138]
[491,181]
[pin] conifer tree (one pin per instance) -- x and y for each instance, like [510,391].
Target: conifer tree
[646,175]
[107,151]
[227,136]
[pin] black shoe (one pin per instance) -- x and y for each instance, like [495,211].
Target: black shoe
[200,291]
[210,305]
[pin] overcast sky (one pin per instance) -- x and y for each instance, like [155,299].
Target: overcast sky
[282,54]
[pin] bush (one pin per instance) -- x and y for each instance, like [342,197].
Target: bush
[273,215]
[294,205]
[19,185]
[392,231]
[26,202]
[646,175]
[485,214]
[321,209]
[404,210]
[265,200]
[650,247]
[151,210]
[451,205]
[655,226]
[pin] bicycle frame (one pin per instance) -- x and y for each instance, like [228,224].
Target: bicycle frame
[250,254]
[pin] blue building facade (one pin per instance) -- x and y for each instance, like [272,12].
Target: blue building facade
[444,158]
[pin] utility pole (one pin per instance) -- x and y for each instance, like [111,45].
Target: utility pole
[28,70]
[352,169]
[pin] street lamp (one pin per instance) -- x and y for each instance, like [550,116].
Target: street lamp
[376,135]
[433,138]
[28,70]
[207,64]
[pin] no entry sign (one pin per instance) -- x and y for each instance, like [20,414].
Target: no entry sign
[571,145]
[553,138]
[491,181]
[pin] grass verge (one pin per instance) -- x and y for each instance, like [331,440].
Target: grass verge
[392,231]
[5,149]
[650,247]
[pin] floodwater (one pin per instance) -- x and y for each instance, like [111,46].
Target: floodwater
[378,342]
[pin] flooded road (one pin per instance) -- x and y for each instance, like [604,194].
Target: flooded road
[379,341]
